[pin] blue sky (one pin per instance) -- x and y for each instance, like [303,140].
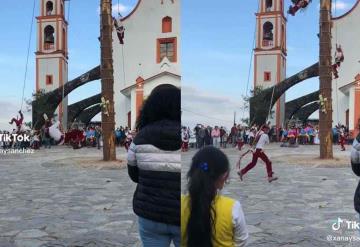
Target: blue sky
[216,47]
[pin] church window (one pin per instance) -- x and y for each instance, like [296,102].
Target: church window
[167,48]
[49,79]
[268,5]
[167,25]
[267,76]
[268,35]
[49,8]
[49,39]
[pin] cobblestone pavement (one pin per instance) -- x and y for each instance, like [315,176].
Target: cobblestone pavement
[46,200]
[298,209]
[48,203]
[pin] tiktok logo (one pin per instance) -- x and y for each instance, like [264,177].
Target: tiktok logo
[350,225]
[337,225]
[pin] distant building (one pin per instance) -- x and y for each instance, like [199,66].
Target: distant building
[150,56]
[52,51]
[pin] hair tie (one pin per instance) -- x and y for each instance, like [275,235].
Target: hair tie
[204,166]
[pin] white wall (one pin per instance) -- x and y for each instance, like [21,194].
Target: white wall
[142,29]
[346,33]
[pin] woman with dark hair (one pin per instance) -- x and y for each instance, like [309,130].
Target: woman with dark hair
[207,218]
[154,163]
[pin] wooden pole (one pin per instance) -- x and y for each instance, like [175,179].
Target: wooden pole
[325,73]
[107,81]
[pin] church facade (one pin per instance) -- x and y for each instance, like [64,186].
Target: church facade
[150,56]
[346,89]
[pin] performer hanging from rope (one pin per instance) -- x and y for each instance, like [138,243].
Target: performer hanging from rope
[18,121]
[298,4]
[339,58]
[261,140]
[120,29]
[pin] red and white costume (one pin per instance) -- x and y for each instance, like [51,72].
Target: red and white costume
[342,138]
[263,139]
[185,140]
[298,4]
[339,58]
[120,30]
[18,122]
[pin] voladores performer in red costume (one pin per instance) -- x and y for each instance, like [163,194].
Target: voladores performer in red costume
[261,140]
[298,4]
[339,58]
[342,138]
[18,121]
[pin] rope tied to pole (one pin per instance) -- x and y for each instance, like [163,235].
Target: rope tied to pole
[28,54]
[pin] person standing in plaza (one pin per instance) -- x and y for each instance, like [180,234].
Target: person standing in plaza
[342,136]
[184,139]
[215,134]
[233,134]
[207,217]
[201,136]
[207,139]
[98,136]
[261,140]
[154,164]
[222,133]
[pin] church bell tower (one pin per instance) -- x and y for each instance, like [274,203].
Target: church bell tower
[52,51]
[270,52]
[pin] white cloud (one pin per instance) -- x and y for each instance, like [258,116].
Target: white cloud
[209,108]
[340,5]
[116,8]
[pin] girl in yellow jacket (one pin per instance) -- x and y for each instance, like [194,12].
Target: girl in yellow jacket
[207,218]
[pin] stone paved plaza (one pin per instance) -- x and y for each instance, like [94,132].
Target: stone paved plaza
[47,200]
[300,208]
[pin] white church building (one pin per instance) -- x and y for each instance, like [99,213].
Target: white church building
[150,56]
[346,89]
[270,60]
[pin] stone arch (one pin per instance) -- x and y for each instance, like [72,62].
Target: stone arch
[305,112]
[295,105]
[260,103]
[48,102]
[88,114]
[74,110]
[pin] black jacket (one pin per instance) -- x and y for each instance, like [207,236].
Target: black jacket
[154,163]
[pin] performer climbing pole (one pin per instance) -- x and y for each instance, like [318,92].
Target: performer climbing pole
[119,27]
[339,58]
